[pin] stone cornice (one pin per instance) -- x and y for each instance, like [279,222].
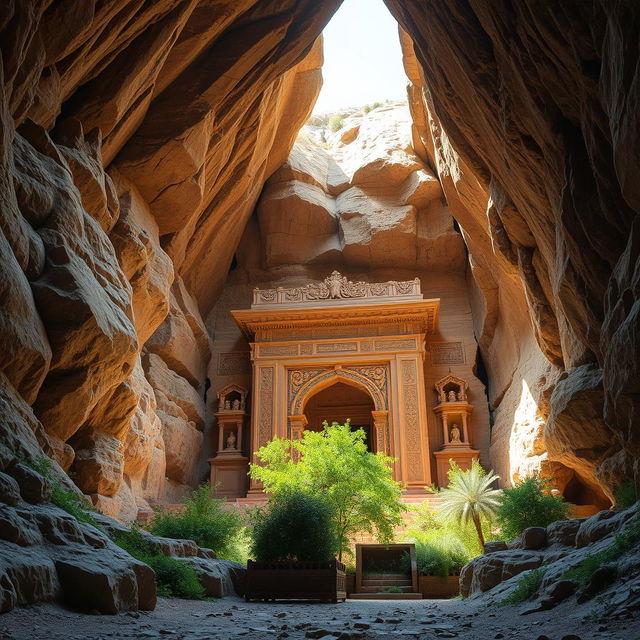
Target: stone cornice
[422,312]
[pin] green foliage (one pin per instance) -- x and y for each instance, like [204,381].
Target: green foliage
[392,589]
[625,541]
[72,502]
[205,520]
[174,578]
[295,526]
[431,526]
[335,123]
[527,587]
[366,109]
[439,557]
[335,465]
[469,497]
[625,495]
[528,504]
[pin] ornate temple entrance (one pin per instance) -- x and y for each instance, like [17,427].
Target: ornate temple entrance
[335,335]
[341,402]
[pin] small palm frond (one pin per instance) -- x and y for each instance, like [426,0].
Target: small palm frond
[470,495]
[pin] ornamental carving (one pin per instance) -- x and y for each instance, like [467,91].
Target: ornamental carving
[337,287]
[302,381]
[452,389]
[447,353]
[299,377]
[265,424]
[412,420]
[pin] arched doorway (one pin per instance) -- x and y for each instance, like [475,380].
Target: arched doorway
[338,403]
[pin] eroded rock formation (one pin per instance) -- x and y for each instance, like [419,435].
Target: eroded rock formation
[136,138]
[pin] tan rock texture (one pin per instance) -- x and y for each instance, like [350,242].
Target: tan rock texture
[135,140]
[535,144]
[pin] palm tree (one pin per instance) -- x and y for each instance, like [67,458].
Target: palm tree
[469,496]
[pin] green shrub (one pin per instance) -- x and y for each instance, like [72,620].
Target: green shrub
[527,587]
[625,495]
[442,557]
[335,465]
[392,589]
[174,578]
[624,542]
[528,504]
[431,526]
[295,526]
[335,123]
[72,502]
[204,520]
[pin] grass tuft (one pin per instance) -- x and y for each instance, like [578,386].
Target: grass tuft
[527,587]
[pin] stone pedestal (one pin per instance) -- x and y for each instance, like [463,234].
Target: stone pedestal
[462,455]
[229,475]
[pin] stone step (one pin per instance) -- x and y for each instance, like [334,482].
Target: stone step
[386,576]
[381,588]
[387,583]
[385,596]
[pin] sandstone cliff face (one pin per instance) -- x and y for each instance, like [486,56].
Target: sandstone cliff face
[547,133]
[132,131]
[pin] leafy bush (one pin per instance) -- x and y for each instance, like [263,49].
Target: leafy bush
[469,497]
[624,542]
[336,466]
[625,495]
[392,589]
[526,588]
[204,520]
[72,502]
[295,526]
[528,504]
[335,123]
[431,526]
[440,557]
[174,578]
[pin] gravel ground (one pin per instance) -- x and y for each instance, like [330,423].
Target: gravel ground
[353,620]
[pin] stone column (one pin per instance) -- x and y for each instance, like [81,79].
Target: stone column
[380,422]
[297,423]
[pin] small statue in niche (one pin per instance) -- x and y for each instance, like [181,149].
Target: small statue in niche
[236,404]
[231,441]
[454,435]
[227,405]
[451,396]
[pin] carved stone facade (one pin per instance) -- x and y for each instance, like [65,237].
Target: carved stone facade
[369,336]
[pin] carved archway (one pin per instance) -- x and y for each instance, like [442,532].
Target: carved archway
[372,379]
[375,387]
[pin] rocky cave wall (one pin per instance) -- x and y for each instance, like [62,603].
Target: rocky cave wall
[131,132]
[537,102]
[137,136]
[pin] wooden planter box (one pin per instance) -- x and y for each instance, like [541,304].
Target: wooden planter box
[323,581]
[438,587]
